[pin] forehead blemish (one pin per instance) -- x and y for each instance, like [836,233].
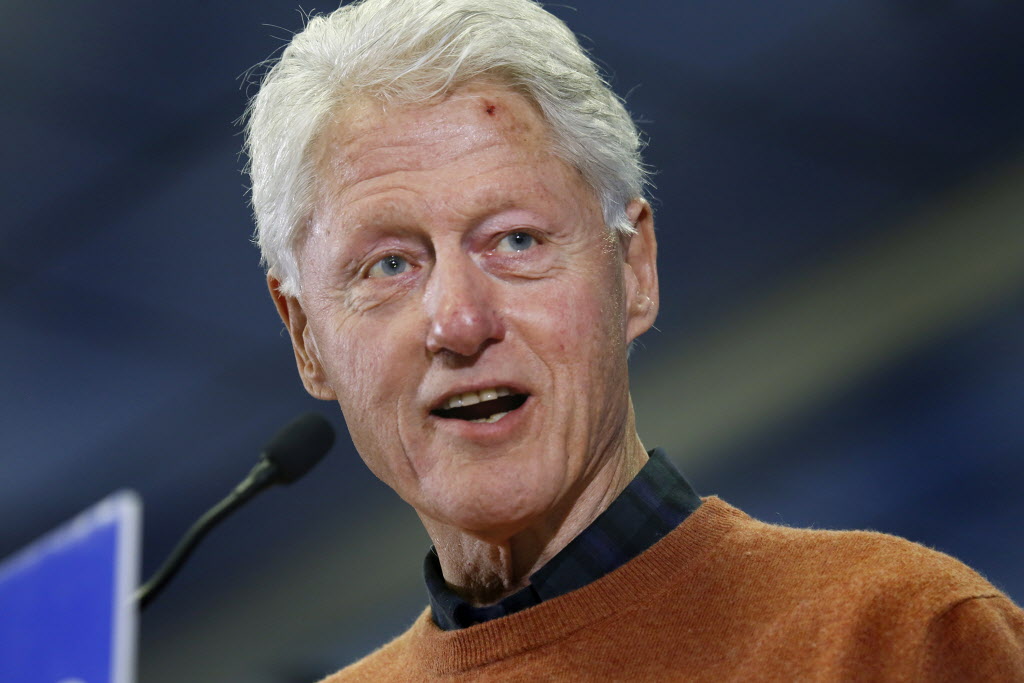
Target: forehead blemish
[490,108]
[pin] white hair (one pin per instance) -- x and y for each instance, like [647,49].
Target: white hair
[410,51]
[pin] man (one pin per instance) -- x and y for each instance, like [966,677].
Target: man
[450,205]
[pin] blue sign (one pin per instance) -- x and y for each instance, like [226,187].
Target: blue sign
[67,610]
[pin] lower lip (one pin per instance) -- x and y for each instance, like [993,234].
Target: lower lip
[486,432]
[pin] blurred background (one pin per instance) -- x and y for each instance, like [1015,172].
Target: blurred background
[840,203]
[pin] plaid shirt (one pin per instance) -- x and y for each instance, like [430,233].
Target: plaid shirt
[653,504]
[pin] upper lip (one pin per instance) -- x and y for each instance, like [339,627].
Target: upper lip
[438,403]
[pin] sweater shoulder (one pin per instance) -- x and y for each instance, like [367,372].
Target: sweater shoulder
[860,561]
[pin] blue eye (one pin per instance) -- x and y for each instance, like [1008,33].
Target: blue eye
[517,241]
[389,266]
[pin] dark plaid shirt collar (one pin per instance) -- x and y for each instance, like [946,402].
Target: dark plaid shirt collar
[653,504]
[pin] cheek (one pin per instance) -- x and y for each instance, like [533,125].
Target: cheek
[367,404]
[357,364]
[579,327]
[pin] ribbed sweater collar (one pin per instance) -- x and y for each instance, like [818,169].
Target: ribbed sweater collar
[654,503]
[665,564]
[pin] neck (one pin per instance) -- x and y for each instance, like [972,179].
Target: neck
[485,571]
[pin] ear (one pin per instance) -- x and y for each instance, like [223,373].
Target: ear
[640,255]
[307,356]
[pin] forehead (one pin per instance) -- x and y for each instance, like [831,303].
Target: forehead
[370,140]
[471,114]
[495,108]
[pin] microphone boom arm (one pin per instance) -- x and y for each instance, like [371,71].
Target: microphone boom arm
[290,454]
[260,477]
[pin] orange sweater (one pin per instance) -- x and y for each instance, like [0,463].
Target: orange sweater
[727,598]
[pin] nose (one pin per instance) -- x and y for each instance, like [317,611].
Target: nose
[461,307]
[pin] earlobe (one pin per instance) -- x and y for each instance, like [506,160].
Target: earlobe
[307,355]
[641,270]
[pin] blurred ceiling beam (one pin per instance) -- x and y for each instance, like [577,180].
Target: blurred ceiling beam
[806,340]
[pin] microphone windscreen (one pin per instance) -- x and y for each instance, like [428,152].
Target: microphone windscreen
[300,445]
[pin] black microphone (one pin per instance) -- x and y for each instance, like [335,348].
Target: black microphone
[290,454]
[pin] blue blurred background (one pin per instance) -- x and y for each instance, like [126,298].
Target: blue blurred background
[840,203]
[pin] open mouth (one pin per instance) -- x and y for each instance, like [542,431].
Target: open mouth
[488,405]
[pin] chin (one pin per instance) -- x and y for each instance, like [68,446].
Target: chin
[493,510]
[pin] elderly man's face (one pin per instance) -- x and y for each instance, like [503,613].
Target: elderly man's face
[463,302]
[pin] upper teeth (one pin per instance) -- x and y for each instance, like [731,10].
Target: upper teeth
[472,397]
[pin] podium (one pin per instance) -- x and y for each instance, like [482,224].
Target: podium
[67,610]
